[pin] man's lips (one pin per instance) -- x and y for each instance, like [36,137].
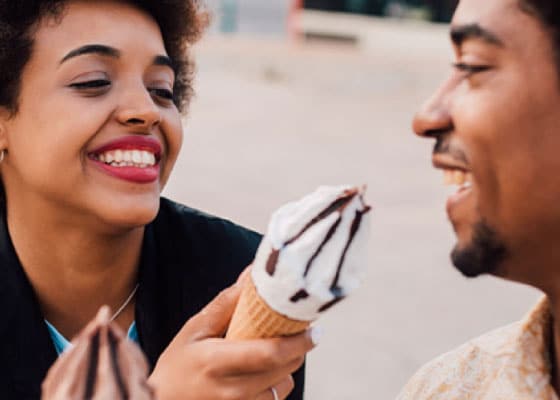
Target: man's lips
[455,173]
[446,162]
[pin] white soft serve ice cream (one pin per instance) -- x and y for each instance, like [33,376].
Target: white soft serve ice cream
[313,253]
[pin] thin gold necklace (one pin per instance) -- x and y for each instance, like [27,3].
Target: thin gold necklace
[128,300]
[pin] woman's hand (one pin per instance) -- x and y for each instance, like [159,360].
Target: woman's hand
[198,364]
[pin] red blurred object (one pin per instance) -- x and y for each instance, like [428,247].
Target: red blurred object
[293,26]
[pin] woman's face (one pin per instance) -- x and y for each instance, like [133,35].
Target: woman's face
[96,134]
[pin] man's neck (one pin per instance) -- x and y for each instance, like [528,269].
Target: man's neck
[73,270]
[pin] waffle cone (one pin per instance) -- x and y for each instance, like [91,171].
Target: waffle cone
[254,319]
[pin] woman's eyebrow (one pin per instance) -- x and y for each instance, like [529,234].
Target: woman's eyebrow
[92,49]
[165,61]
[109,51]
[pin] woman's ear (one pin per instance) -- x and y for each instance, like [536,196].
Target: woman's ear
[5,116]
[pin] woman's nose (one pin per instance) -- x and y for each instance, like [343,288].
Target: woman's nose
[138,110]
[434,116]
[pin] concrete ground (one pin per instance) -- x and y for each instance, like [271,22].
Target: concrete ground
[272,120]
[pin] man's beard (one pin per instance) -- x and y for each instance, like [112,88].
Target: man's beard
[483,255]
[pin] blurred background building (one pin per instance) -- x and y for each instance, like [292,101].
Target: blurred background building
[435,10]
[273,16]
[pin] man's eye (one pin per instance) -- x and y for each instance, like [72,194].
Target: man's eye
[162,93]
[94,84]
[470,69]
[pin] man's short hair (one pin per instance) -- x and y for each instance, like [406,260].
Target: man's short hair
[548,12]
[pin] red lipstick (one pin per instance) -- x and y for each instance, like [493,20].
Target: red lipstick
[131,173]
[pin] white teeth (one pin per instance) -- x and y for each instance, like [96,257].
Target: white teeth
[136,157]
[457,177]
[148,158]
[448,177]
[128,158]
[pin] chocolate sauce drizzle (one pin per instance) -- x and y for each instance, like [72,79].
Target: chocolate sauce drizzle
[328,237]
[335,289]
[331,303]
[338,205]
[272,261]
[91,376]
[353,230]
[302,294]
[115,366]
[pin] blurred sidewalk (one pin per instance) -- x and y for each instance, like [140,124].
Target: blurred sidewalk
[273,119]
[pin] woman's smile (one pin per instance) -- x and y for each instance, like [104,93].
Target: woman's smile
[132,158]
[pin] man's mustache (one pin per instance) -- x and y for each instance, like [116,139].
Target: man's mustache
[444,146]
[441,146]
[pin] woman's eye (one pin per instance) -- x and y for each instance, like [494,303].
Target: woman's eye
[470,69]
[93,84]
[162,93]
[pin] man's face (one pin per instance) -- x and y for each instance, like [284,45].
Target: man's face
[496,121]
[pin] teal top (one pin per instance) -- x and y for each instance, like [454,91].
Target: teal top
[61,343]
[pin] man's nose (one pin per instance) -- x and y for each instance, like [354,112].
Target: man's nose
[138,110]
[434,116]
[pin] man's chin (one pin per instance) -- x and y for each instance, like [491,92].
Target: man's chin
[483,255]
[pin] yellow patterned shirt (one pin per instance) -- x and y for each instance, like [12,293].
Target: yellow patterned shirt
[510,363]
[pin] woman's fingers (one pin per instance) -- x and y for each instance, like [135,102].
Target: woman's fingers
[261,382]
[254,356]
[282,388]
[222,369]
[212,320]
[244,277]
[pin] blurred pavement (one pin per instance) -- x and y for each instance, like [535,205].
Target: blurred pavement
[272,120]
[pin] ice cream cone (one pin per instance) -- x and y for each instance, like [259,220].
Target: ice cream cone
[310,259]
[254,319]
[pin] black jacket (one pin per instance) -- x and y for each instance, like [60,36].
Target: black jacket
[188,257]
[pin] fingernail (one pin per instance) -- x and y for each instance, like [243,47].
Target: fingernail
[316,333]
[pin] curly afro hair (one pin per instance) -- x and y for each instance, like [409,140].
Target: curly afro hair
[181,23]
